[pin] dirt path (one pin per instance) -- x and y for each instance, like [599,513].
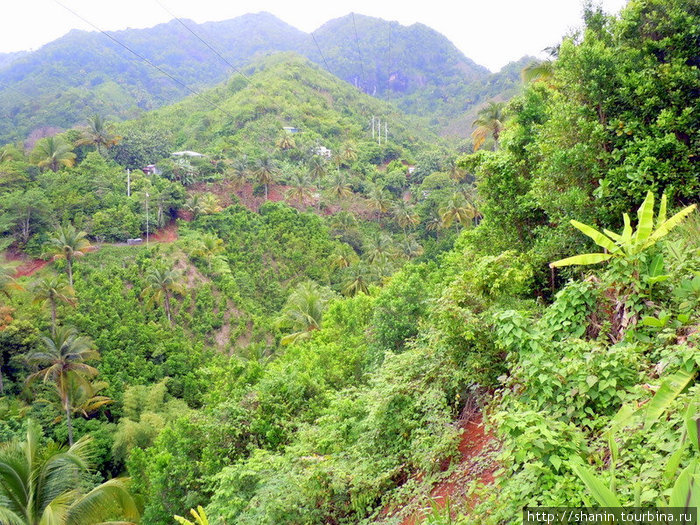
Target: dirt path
[475,468]
[29,267]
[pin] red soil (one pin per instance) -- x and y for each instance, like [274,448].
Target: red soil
[474,464]
[165,234]
[29,267]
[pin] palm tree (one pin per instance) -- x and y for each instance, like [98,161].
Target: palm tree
[348,154]
[285,141]
[85,397]
[489,122]
[52,153]
[317,167]
[210,248]
[7,281]
[202,204]
[265,172]
[404,214]
[380,247]
[68,243]
[53,290]
[41,485]
[300,188]
[410,248]
[538,71]
[457,210]
[380,200]
[98,134]
[240,170]
[358,281]
[161,284]
[303,311]
[338,187]
[64,360]
[343,257]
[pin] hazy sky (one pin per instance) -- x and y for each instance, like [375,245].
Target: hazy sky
[491,32]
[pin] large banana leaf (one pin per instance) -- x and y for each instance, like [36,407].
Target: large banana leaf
[667,392]
[686,490]
[645,214]
[661,217]
[584,259]
[600,239]
[669,224]
[602,494]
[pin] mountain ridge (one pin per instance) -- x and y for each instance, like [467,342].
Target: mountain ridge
[83,72]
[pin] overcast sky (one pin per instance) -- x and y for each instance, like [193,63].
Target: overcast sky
[491,32]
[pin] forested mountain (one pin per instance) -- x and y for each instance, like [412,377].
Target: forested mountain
[82,73]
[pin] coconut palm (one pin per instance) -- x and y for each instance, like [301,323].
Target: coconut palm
[63,359]
[52,153]
[338,188]
[300,188]
[349,153]
[379,247]
[265,172]
[410,248]
[7,281]
[68,243]
[379,200]
[161,285]
[303,311]
[317,167]
[404,214]
[358,280]
[343,257]
[98,134]
[285,141]
[52,290]
[457,210]
[489,122]
[538,71]
[40,485]
[202,204]
[240,169]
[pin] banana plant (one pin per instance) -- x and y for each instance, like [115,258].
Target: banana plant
[200,518]
[685,493]
[630,242]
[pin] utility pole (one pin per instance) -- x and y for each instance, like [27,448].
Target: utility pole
[147,195]
[372,127]
[380,130]
[128,182]
[386,131]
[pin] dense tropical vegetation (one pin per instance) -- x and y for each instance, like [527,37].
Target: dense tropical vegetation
[243,308]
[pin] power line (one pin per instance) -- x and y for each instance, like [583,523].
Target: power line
[320,52]
[359,53]
[210,102]
[203,41]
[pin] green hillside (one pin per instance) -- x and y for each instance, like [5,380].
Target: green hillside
[64,82]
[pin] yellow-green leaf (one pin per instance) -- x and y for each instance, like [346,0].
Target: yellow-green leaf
[645,214]
[600,239]
[583,259]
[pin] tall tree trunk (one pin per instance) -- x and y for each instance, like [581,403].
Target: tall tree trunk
[53,317]
[266,192]
[167,307]
[69,261]
[69,422]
